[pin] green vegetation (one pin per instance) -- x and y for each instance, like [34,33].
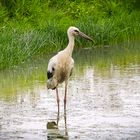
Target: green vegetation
[103,61]
[35,27]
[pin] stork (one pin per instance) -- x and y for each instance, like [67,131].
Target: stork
[61,65]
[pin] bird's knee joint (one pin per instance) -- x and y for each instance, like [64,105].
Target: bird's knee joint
[65,100]
[58,100]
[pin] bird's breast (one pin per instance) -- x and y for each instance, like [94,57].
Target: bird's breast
[63,67]
[62,76]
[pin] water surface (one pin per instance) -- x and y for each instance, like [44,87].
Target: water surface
[103,98]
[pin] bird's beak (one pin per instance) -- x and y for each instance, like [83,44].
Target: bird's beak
[85,36]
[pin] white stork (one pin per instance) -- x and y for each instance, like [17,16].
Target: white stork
[60,66]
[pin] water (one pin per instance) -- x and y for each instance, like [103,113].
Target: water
[103,99]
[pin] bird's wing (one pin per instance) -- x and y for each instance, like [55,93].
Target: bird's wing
[72,66]
[51,67]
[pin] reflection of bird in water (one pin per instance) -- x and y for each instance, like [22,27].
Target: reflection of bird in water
[52,125]
[53,131]
[60,66]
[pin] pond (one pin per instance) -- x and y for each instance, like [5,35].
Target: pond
[103,98]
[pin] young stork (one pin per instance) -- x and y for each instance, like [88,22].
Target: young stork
[60,66]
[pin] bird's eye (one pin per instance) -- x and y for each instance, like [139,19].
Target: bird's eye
[76,31]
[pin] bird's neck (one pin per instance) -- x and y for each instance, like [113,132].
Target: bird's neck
[70,46]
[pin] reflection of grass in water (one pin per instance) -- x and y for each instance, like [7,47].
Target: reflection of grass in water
[24,77]
[34,72]
[103,59]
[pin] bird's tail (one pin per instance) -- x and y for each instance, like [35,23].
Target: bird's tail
[52,83]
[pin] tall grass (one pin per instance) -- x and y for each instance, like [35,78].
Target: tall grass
[29,28]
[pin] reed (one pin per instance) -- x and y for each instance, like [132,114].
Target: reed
[33,28]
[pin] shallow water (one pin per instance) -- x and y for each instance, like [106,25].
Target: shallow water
[103,99]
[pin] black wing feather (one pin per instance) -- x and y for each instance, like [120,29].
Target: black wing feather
[49,74]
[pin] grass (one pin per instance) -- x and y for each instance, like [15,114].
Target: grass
[32,28]
[101,60]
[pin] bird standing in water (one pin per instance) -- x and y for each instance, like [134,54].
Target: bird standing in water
[60,66]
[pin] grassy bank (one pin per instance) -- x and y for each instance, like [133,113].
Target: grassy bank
[29,28]
[102,61]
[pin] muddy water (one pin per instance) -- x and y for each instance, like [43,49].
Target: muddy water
[103,99]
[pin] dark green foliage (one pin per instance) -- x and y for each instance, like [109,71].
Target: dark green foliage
[35,27]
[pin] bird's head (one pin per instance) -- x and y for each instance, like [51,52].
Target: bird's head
[73,31]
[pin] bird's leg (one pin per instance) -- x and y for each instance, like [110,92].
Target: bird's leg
[58,100]
[65,96]
[65,120]
[58,117]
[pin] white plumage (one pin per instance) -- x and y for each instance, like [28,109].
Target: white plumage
[60,66]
